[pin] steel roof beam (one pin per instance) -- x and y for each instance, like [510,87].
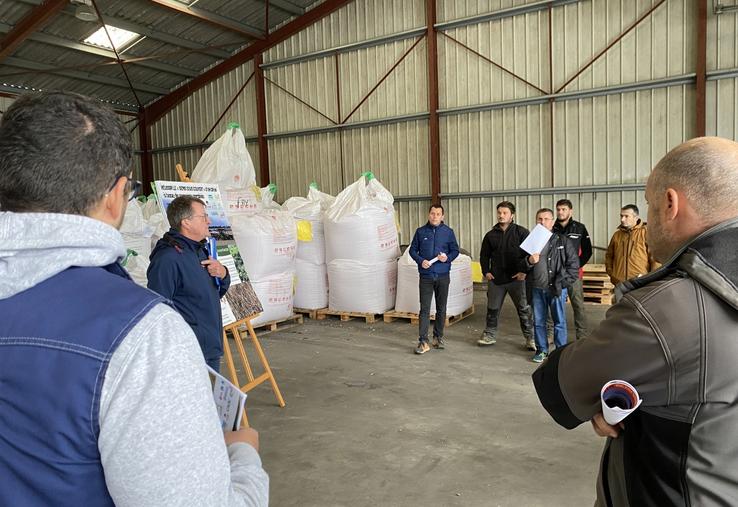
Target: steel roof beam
[152,34]
[94,50]
[103,80]
[160,107]
[34,20]
[212,18]
[287,7]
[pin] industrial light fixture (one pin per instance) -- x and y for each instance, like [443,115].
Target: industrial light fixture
[84,11]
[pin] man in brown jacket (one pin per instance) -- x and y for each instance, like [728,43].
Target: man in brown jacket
[628,255]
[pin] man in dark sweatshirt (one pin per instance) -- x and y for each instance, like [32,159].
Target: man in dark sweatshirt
[182,271]
[504,267]
[434,248]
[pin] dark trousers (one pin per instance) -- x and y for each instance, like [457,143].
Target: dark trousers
[214,363]
[496,296]
[429,287]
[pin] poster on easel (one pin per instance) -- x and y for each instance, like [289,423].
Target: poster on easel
[240,301]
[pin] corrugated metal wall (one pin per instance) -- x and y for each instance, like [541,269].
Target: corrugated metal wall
[492,141]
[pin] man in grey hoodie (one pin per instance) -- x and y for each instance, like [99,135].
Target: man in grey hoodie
[106,399]
[672,335]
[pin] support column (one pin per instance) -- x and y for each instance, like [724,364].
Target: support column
[701,89]
[433,129]
[147,165]
[261,122]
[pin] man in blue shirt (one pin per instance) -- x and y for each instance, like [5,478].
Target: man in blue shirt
[434,248]
[182,271]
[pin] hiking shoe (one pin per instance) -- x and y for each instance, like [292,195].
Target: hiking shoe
[439,343]
[486,339]
[422,348]
[530,344]
[540,357]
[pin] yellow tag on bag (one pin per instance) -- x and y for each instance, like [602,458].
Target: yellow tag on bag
[477,272]
[304,230]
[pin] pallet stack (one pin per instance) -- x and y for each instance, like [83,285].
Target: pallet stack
[597,286]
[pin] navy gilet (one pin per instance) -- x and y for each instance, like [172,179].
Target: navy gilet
[56,340]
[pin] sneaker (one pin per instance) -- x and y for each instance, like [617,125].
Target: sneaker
[422,348]
[486,339]
[539,357]
[530,344]
[439,343]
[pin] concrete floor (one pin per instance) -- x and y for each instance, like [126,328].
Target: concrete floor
[368,423]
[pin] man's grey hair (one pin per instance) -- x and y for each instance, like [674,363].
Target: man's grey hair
[60,153]
[706,170]
[180,209]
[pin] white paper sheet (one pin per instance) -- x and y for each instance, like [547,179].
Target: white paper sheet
[536,240]
[433,261]
[619,399]
[229,401]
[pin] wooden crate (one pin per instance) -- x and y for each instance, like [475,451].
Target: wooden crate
[414,317]
[370,318]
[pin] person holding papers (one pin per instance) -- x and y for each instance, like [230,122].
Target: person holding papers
[105,397]
[504,267]
[434,248]
[554,267]
[182,271]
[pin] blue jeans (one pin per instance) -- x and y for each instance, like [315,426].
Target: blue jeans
[543,301]
[214,363]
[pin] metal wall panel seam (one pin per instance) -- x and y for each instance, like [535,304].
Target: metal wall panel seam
[619,187]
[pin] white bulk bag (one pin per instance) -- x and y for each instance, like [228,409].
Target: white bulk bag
[311,292]
[267,241]
[362,287]
[226,162]
[135,230]
[460,290]
[309,214]
[276,295]
[360,224]
[137,266]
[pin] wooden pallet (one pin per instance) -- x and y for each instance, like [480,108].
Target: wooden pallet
[274,325]
[370,318]
[598,299]
[597,291]
[313,314]
[414,318]
[599,283]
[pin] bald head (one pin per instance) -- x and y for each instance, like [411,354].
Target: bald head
[691,189]
[705,169]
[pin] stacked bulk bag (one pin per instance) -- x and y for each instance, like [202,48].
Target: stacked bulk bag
[311,290]
[226,162]
[362,247]
[460,290]
[267,241]
[137,233]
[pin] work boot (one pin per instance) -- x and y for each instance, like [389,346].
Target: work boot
[422,347]
[530,344]
[486,339]
[439,343]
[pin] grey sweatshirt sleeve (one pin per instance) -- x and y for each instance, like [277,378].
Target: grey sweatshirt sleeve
[160,439]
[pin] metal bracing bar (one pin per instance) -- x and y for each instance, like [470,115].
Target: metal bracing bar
[615,41]
[617,187]
[228,107]
[312,108]
[503,13]
[489,60]
[369,43]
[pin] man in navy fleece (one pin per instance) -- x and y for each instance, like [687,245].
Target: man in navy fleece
[182,272]
[434,248]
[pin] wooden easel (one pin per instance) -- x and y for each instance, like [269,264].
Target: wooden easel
[235,331]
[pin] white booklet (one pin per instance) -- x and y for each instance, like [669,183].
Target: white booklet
[229,401]
[536,240]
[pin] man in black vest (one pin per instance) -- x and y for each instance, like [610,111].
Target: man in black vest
[578,235]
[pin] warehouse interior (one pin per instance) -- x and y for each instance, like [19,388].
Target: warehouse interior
[466,103]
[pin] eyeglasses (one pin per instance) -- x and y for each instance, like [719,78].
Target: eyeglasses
[205,216]
[135,187]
